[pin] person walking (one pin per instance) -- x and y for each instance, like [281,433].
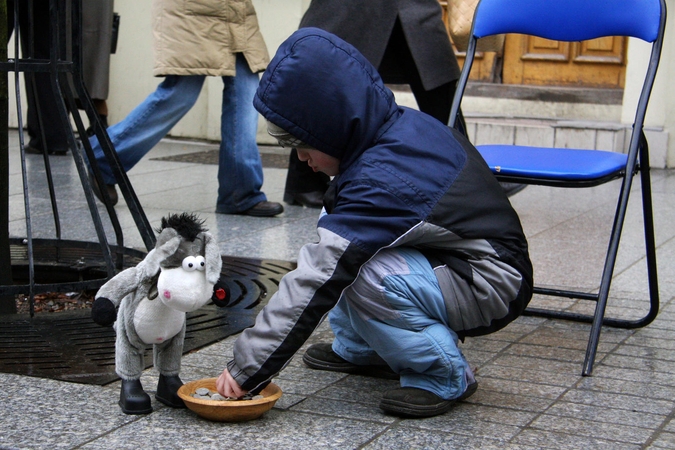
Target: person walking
[193,41]
[97,35]
[42,101]
[406,41]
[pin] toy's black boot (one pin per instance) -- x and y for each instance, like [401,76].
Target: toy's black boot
[167,391]
[133,399]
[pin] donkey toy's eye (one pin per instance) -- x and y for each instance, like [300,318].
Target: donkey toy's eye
[190,263]
[201,263]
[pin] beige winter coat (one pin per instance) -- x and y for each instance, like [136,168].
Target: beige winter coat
[201,37]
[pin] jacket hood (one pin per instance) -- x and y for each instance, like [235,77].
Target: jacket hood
[323,91]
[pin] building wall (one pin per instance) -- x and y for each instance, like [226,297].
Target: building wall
[131,77]
[660,119]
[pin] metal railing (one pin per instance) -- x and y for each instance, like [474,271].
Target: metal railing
[64,67]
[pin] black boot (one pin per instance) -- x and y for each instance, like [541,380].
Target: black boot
[414,402]
[167,391]
[322,357]
[133,399]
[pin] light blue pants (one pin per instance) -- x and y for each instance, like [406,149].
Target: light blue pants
[395,313]
[240,174]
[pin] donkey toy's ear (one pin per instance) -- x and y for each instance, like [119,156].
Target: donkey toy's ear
[214,262]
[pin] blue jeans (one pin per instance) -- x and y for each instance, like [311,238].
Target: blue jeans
[395,313]
[240,174]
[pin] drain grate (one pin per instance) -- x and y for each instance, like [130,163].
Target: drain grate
[268,160]
[69,346]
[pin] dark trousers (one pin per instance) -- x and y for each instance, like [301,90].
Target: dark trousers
[398,67]
[41,97]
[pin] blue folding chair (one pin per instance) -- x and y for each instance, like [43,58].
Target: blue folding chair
[578,20]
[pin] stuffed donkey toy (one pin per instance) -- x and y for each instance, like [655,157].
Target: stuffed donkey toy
[148,305]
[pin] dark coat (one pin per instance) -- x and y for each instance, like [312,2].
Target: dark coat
[368,24]
[97,22]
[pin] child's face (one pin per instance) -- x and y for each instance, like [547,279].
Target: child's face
[319,161]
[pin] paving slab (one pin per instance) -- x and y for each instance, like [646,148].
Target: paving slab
[531,393]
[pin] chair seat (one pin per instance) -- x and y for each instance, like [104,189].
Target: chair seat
[563,164]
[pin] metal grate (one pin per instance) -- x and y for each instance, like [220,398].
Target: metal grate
[269,160]
[63,265]
[69,346]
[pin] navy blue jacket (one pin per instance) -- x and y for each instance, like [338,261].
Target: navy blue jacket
[405,180]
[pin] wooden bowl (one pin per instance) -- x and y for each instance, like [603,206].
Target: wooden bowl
[227,411]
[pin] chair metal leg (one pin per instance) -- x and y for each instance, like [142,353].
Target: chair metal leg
[608,271]
[650,237]
[598,319]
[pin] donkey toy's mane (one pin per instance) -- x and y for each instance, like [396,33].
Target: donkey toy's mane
[187,225]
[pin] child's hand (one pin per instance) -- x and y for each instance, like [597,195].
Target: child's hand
[228,387]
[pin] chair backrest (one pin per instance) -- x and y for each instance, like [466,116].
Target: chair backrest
[570,20]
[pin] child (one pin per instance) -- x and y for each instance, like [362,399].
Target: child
[418,245]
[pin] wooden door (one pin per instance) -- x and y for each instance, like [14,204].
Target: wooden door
[485,65]
[597,63]
[530,60]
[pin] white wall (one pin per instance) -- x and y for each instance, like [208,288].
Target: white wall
[660,119]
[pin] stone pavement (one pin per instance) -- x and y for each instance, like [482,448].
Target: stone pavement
[531,393]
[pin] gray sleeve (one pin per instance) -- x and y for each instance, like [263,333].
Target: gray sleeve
[305,295]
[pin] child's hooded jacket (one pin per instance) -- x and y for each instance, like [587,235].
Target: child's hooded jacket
[405,180]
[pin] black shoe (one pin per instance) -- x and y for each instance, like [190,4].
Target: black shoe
[309,199]
[414,402]
[167,391]
[90,131]
[322,357]
[264,209]
[112,192]
[133,399]
[512,188]
[37,150]
[471,389]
